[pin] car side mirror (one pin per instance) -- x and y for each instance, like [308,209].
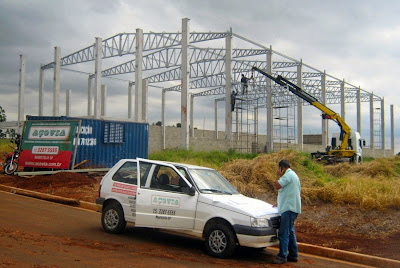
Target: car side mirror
[192,191]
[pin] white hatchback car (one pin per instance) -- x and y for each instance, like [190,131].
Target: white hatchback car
[185,198]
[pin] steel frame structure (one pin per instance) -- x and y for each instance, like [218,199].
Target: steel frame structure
[161,65]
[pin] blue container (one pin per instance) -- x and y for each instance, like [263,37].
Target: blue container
[102,143]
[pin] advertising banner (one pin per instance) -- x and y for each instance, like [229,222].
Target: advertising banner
[48,144]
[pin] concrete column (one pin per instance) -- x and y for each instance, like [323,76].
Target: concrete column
[41,90]
[163,118]
[68,102]
[300,107]
[130,114]
[97,76]
[191,116]
[371,113]
[56,82]
[270,113]
[237,121]
[359,110]
[21,89]
[145,99]
[228,89]
[138,75]
[103,100]
[343,101]
[185,83]
[324,121]
[216,118]
[383,125]
[256,124]
[392,129]
[90,97]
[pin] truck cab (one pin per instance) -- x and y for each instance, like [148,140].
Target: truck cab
[188,199]
[355,143]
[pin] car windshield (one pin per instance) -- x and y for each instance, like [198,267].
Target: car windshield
[210,181]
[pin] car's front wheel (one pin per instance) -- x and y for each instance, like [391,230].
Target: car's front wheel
[220,241]
[112,219]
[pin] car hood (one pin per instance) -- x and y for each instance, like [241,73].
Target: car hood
[240,203]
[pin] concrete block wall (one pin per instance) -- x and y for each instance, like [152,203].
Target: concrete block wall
[204,140]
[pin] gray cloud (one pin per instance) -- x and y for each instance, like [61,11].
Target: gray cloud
[355,40]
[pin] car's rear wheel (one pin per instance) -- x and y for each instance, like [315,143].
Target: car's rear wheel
[112,218]
[220,241]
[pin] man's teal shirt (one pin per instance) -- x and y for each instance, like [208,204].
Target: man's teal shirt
[289,198]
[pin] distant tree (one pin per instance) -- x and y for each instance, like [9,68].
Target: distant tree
[11,133]
[178,125]
[3,118]
[159,123]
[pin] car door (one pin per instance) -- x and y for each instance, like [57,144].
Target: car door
[123,185]
[164,199]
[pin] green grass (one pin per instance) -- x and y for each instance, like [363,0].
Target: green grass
[368,159]
[213,159]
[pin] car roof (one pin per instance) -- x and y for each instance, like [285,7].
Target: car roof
[173,163]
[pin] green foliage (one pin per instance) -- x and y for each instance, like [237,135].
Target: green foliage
[4,145]
[3,118]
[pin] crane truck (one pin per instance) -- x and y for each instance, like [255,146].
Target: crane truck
[350,148]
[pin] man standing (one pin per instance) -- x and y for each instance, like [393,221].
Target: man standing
[245,85]
[289,206]
[233,99]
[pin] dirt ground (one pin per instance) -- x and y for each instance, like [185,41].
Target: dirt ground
[341,227]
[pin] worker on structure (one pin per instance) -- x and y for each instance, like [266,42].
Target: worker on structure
[245,84]
[233,99]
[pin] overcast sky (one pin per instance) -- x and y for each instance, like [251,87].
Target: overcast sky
[355,40]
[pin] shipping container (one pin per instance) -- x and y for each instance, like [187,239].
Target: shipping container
[102,143]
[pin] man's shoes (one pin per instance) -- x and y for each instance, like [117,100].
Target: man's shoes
[291,259]
[277,260]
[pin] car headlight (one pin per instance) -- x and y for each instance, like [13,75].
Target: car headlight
[259,222]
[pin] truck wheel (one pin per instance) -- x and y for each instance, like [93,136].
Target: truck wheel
[220,241]
[112,219]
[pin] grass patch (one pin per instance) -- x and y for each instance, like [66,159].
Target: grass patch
[213,159]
